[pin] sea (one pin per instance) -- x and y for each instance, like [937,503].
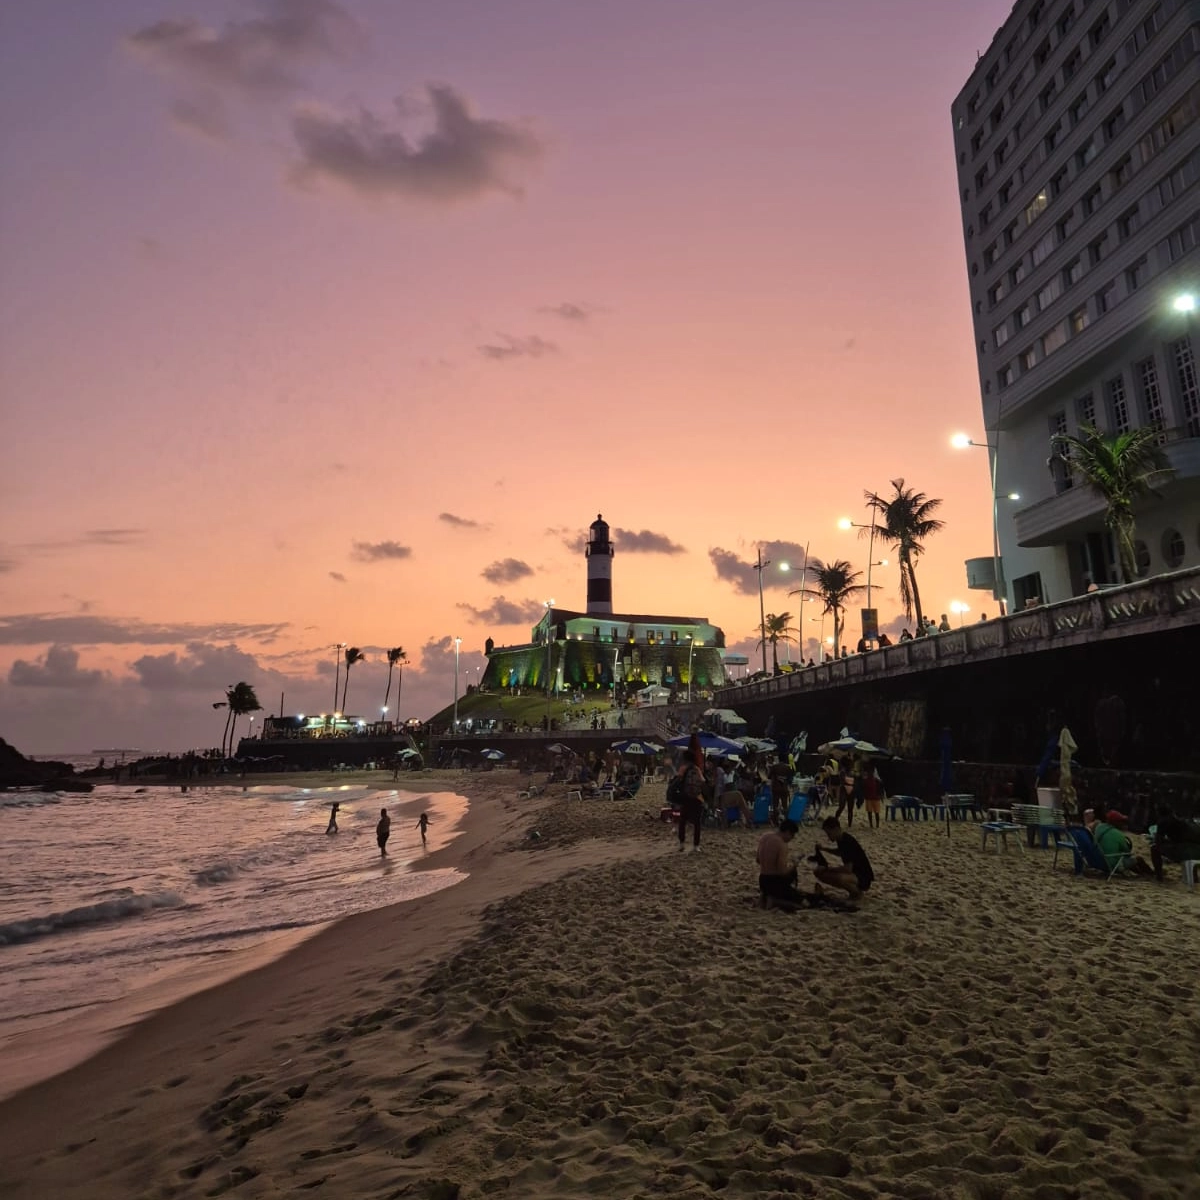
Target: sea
[116,902]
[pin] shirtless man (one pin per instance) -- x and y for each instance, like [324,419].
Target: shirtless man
[776,879]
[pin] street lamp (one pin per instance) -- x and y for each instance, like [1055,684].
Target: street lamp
[549,607]
[693,642]
[957,606]
[338,647]
[457,644]
[846,523]
[1184,303]
[960,441]
[762,613]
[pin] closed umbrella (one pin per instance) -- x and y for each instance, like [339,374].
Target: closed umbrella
[1066,789]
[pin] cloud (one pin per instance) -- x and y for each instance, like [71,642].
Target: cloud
[113,537]
[257,56]
[505,612]
[463,157]
[573,539]
[57,668]
[204,114]
[567,311]
[517,347]
[459,522]
[646,542]
[337,576]
[743,574]
[506,570]
[7,564]
[37,629]
[202,667]
[380,551]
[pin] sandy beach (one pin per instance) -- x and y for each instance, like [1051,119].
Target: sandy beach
[595,1014]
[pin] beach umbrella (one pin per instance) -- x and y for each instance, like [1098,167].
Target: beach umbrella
[708,741]
[633,746]
[842,745]
[1066,788]
[559,748]
[758,745]
[494,755]
[407,753]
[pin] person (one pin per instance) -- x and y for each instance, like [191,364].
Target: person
[944,627]
[1113,842]
[691,806]
[776,879]
[873,794]
[884,641]
[383,830]
[854,875]
[846,791]
[905,636]
[333,812]
[1176,841]
[423,825]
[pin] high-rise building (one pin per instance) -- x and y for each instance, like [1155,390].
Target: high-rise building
[1077,139]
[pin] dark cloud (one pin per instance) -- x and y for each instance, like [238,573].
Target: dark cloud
[202,667]
[57,668]
[568,311]
[506,570]
[337,576]
[505,612]
[517,347]
[742,572]
[113,537]
[37,629]
[380,551]
[462,157]
[459,522]
[646,542]
[204,114]
[256,56]
[573,539]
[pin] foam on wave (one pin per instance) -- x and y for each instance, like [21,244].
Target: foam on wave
[104,913]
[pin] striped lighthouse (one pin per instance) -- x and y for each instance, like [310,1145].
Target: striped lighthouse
[599,554]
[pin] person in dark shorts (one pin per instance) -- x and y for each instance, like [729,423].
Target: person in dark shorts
[855,875]
[383,830]
[776,878]
[691,807]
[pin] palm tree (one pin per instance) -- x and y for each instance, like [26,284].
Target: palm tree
[396,654]
[777,630]
[353,655]
[907,520]
[833,584]
[1122,468]
[228,717]
[240,700]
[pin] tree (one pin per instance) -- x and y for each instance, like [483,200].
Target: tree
[353,655]
[241,700]
[833,584]
[906,521]
[1123,469]
[777,630]
[228,717]
[395,655]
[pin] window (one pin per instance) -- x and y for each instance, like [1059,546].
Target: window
[1004,193]
[1128,223]
[1051,139]
[1060,468]
[1078,109]
[1137,275]
[1000,335]
[1001,153]
[996,293]
[1183,240]
[1174,185]
[1066,226]
[1036,207]
[997,116]
[1044,246]
[1010,234]
[1099,31]
[1079,320]
[1114,124]
[1121,173]
[1035,14]
[989,255]
[1168,128]
[1097,250]
[1066,20]
[1029,359]
[1074,271]
[1005,376]
[1118,405]
[1106,297]
[1024,315]
[1173,548]
[1104,79]
[1049,293]
[1146,373]
[1053,340]
[1085,153]
[1189,386]
[1092,201]
[1039,58]
[1071,64]
[1085,410]
[1018,272]
[976,143]
[1141,559]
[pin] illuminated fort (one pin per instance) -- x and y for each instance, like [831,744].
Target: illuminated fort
[598,648]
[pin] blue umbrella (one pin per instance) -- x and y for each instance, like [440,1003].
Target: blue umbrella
[708,741]
[635,746]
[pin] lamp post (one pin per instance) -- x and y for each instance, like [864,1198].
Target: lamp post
[957,606]
[762,612]
[846,523]
[960,441]
[692,644]
[549,607]
[338,647]
[457,644]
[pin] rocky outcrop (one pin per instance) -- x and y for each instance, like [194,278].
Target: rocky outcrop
[18,771]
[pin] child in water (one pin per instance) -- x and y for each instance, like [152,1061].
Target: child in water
[383,831]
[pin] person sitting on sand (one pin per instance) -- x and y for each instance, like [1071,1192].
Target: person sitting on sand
[423,825]
[1175,840]
[1113,842]
[383,830]
[776,878]
[855,875]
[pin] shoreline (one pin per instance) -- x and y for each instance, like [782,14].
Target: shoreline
[596,1014]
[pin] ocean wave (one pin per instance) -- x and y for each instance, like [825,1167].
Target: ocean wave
[28,799]
[104,913]
[221,872]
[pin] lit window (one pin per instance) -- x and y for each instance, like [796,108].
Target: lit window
[1036,207]
[1079,320]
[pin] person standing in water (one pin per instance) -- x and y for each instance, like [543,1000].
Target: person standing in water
[333,812]
[423,825]
[383,831]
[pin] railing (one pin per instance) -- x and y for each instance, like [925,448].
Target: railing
[1164,602]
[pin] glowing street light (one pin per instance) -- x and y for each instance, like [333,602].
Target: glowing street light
[961,441]
[957,606]
[1184,303]
[693,642]
[457,644]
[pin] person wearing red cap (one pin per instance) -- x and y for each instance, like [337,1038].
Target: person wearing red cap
[1113,842]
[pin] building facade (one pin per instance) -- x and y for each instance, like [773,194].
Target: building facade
[1077,140]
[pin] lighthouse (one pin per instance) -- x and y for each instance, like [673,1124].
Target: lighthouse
[599,554]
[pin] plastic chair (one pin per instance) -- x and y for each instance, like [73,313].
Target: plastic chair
[762,807]
[798,807]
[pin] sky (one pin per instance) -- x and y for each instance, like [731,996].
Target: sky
[340,322]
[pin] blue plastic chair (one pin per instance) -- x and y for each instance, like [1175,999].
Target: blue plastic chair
[798,807]
[762,807]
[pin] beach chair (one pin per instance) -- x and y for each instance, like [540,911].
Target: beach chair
[798,808]
[1000,831]
[1088,854]
[762,806]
